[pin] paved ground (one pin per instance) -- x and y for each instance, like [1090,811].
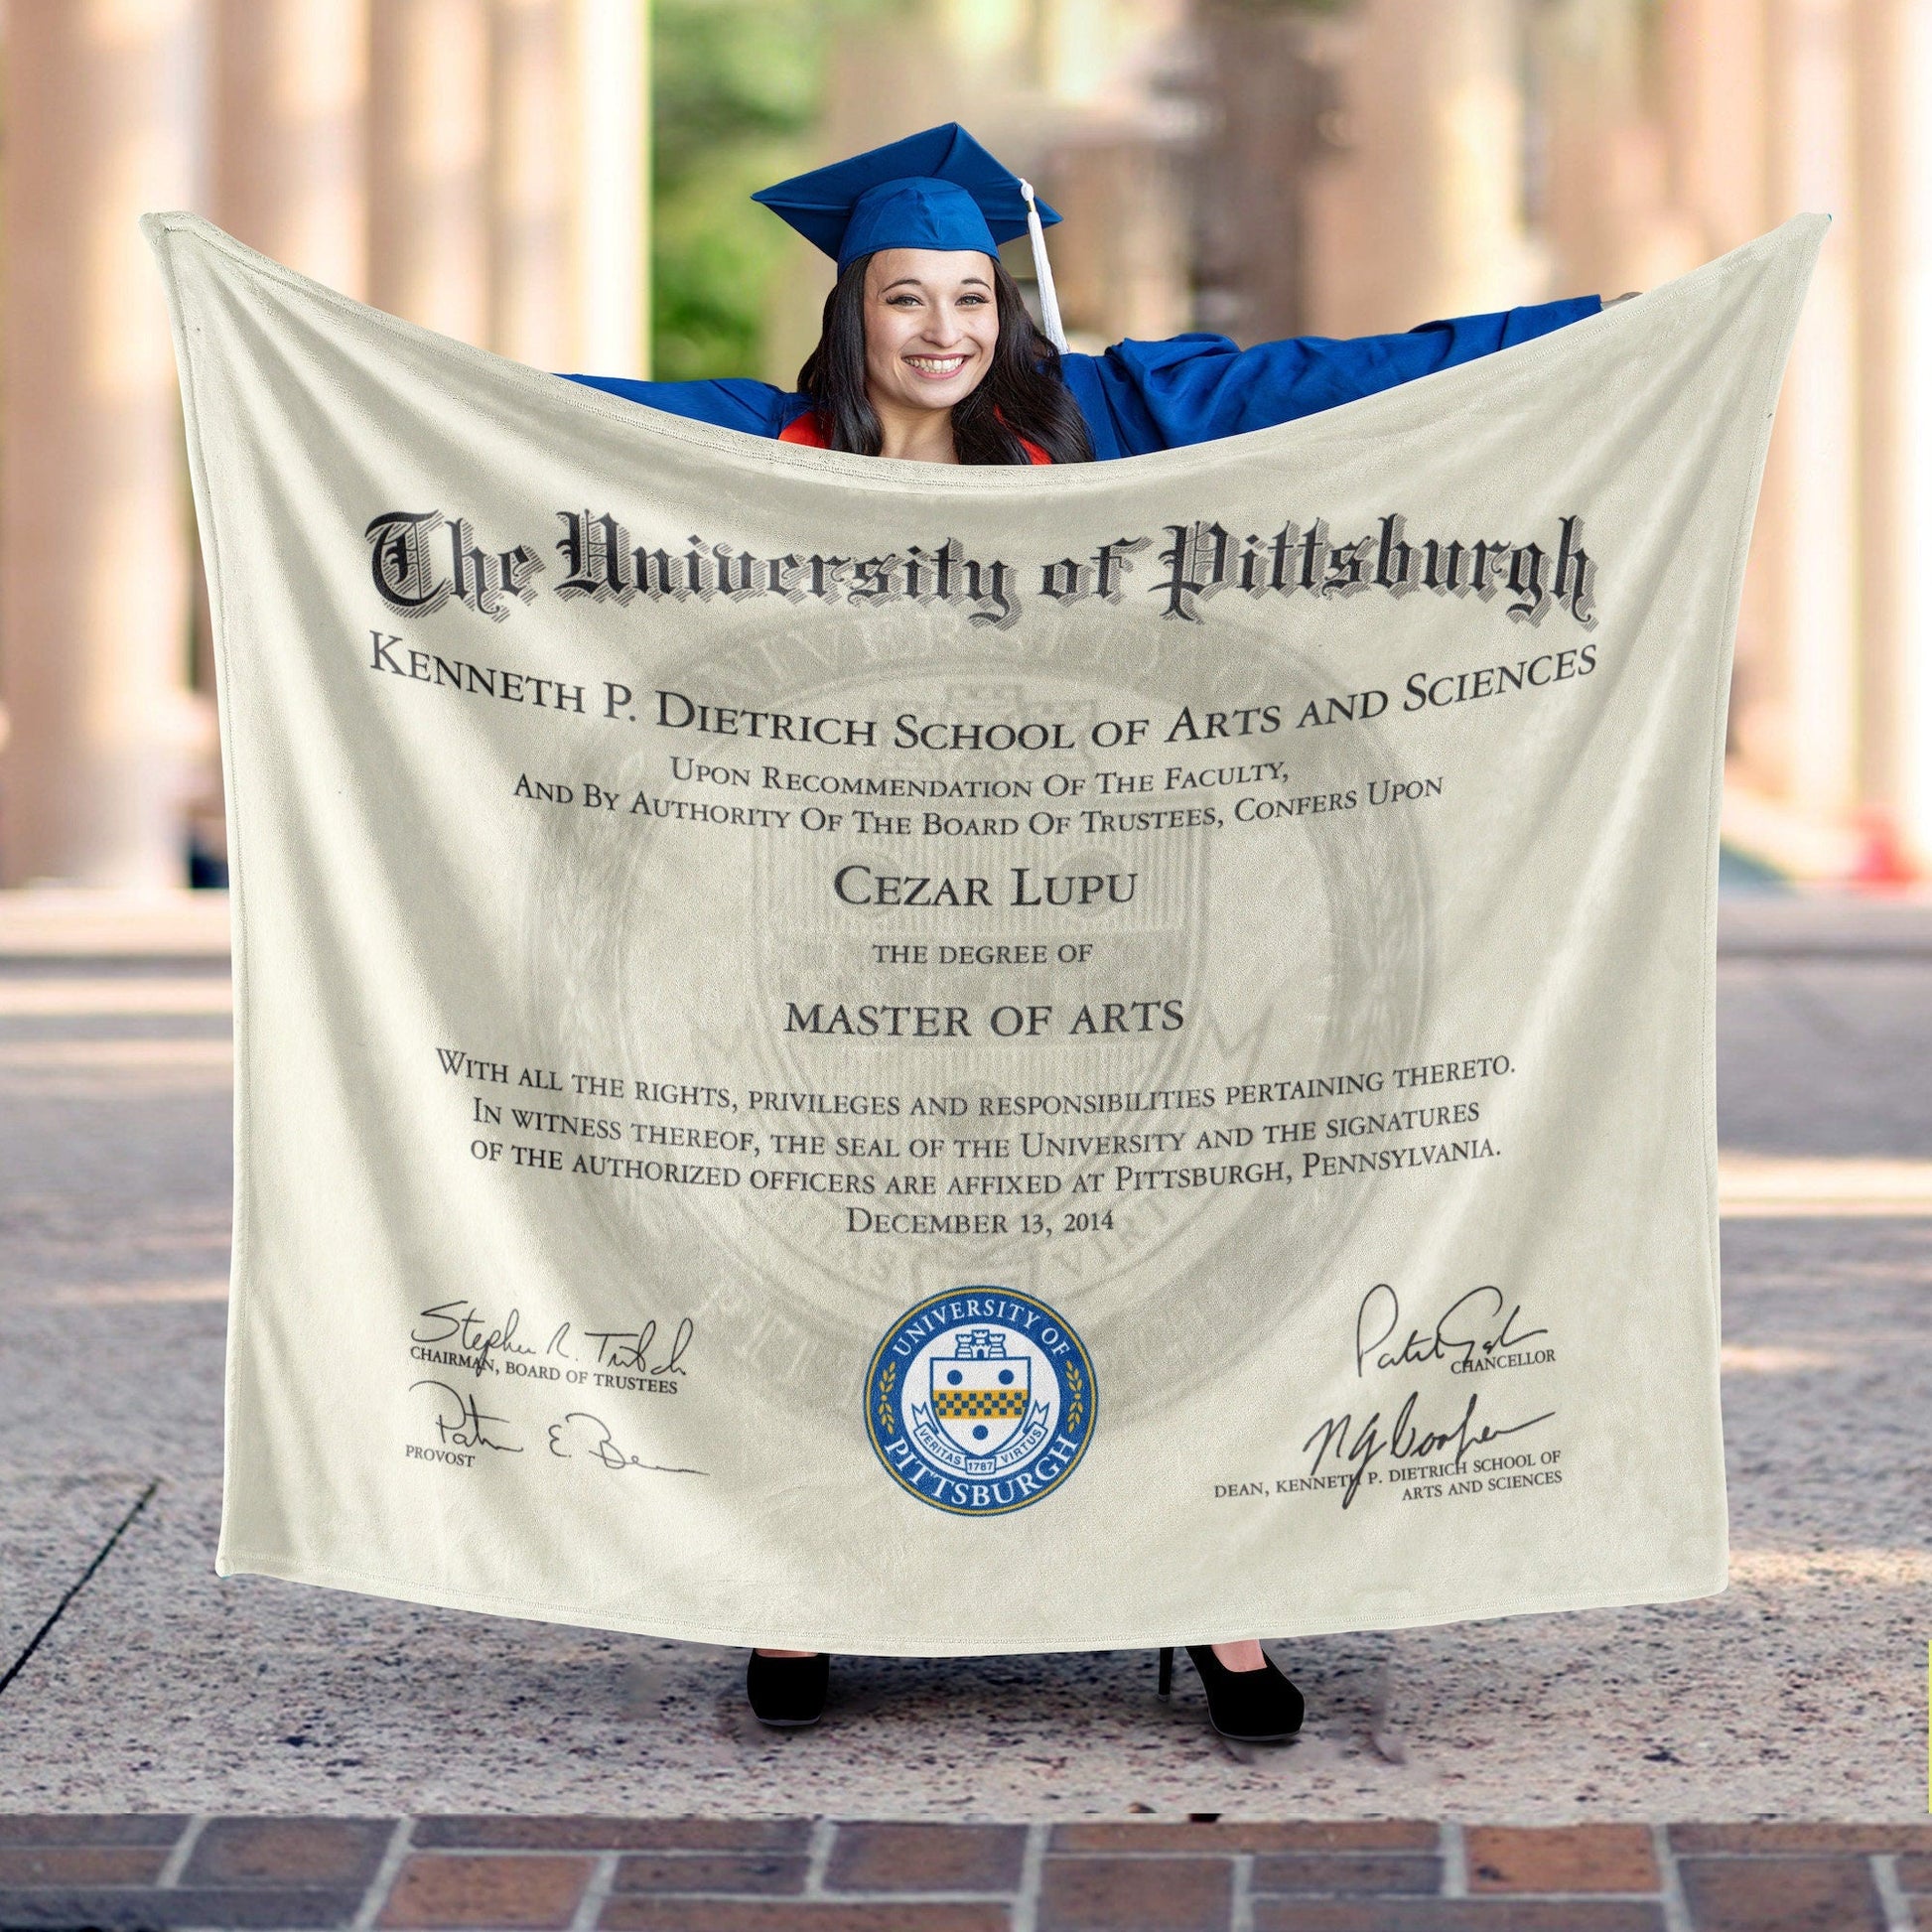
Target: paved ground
[820,1875]
[1799,1692]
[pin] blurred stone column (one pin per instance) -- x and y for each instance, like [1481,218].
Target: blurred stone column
[100,102]
[1423,215]
[288,137]
[1809,543]
[611,234]
[1104,145]
[533,169]
[1894,163]
[429,163]
[1719,133]
[1717,129]
[291,82]
[1608,205]
[1274,123]
[1121,259]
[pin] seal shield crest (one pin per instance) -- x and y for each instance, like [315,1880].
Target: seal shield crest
[980,1392]
[980,1401]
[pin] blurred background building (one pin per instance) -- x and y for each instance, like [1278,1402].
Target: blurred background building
[565,182]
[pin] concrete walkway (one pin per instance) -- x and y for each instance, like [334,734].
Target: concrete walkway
[136,1680]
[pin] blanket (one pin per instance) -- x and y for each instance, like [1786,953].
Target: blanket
[896,1058]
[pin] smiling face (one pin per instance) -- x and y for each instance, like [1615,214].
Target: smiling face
[931,325]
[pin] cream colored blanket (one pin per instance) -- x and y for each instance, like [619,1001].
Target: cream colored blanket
[892,1058]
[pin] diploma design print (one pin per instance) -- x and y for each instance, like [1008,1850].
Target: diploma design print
[980,1401]
[765,976]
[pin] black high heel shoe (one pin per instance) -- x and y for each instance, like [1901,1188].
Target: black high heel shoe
[1250,1707]
[787,1692]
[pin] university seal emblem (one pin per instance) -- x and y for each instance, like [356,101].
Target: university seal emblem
[980,1401]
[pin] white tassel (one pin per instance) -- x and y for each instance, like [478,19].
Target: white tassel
[1049,306]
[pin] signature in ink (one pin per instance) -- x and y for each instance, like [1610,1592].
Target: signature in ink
[582,1434]
[459,1326]
[461,1423]
[626,1349]
[1467,1327]
[1339,1439]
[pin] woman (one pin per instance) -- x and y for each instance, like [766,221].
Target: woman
[928,354]
[941,194]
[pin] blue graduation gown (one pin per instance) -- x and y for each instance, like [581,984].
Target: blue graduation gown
[1144,396]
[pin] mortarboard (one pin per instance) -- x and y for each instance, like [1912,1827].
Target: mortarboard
[935,190]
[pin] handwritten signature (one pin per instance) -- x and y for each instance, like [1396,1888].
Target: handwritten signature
[626,1348]
[582,1434]
[1457,1335]
[460,1423]
[1341,1440]
[461,1325]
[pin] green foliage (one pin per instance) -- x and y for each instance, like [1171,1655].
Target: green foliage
[735,92]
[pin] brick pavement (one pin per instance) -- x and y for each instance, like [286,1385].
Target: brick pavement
[125,1871]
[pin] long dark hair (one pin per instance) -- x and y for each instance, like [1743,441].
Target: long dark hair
[1021,394]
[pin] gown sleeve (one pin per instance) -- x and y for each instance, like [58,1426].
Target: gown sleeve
[1143,395]
[731,402]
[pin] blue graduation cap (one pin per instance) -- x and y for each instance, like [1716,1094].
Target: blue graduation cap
[935,190]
